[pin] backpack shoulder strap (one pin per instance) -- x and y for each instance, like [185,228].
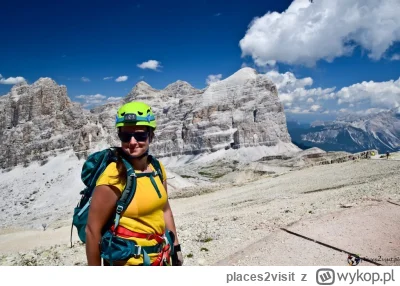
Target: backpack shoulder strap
[128,193]
[130,188]
[157,166]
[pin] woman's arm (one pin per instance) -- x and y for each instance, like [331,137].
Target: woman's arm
[169,221]
[101,208]
[170,225]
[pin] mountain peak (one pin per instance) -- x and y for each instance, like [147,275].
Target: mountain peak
[238,78]
[45,81]
[142,84]
[179,83]
[243,74]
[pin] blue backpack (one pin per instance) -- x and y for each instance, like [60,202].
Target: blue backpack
[113,247]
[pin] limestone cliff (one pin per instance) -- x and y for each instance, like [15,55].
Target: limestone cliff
[240,111]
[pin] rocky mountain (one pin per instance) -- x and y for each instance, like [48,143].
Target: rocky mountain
[352,133]
[37,119]
[241,111]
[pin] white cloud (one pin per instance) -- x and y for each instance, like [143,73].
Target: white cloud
[11,80]
[213,78]
[374,94]
[114,99]
[151,64]
[315,107]
[288,81]
[395,57]
[295,94]
[90,101]
[107,78]
[85,79]
[298,96]
[121,78]
[325,29]
[298,110]
[217,14]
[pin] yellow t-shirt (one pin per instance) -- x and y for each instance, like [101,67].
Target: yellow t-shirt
[145,212]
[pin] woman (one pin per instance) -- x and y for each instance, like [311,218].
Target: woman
[149,214]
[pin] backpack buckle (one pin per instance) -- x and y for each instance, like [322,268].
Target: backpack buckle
[137,252]
[120,209]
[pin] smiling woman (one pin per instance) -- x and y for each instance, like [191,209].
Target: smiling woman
[145,233]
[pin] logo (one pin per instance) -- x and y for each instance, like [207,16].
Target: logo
[353,260]
[325,276]
[130,117]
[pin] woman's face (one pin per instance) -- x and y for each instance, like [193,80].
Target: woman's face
[135,140]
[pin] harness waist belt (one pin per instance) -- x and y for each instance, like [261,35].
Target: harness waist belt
[124,232]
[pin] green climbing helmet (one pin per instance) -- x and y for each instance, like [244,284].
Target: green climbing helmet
[135,113]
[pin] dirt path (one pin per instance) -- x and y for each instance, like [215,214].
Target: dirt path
[371,232]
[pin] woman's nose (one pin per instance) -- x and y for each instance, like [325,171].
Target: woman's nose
[133,141]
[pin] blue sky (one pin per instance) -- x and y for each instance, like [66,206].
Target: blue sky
[79,43]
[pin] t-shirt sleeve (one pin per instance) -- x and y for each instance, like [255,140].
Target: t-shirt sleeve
[110,177]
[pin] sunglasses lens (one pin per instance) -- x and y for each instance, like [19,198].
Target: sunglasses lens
[139,136]
[124,137]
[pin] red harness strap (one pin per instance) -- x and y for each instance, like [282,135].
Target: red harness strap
[124,232]
[163,259]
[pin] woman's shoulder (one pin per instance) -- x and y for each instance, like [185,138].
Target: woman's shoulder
[110,177]
[111,169]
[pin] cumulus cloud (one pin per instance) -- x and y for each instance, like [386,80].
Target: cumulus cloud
[288,81]
[11,80]
[375,94]
[298,96]
[121,78]
[150,64]
[325,29]
[107,78]
[114,98]
[213,78]
[315,107]
[90,101]
[85,79]
[395,57]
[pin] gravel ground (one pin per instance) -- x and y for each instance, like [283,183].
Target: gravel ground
[217,223]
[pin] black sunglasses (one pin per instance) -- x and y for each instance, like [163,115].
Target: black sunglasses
[139,136]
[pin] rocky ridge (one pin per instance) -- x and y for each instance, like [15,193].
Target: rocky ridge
[353,133]
[241,111]
[37,119]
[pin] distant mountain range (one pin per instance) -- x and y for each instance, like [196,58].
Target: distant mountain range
[350,133]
